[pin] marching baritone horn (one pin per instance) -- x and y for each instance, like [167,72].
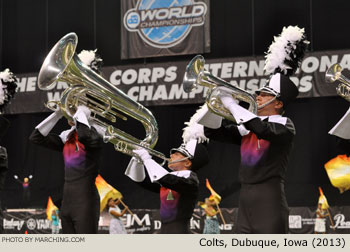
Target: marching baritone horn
[85,87]
[196,74]
[334,73]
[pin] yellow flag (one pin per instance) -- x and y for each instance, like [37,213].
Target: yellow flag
[106,192]
[214,196]
[338,170]
[322,200]
[50,206]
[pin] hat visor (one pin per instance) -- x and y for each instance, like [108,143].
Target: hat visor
[266,90]
[182,151]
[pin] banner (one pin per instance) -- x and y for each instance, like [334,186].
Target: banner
[301,221]
[161,83]
[152,28]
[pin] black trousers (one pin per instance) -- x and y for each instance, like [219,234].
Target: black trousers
[80,210]
[263,208]
[175,227]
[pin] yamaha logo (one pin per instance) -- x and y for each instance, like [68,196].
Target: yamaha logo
[164,23]
[31,224]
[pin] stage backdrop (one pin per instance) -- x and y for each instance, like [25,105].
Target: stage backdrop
[161,83]
[151,28]
[301,221]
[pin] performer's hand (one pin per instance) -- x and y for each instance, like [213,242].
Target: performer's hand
[15,176]
[142,154]
[227,100]
[85,110]
[194,131]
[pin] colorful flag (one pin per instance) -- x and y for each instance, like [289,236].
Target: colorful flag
[322,200]
[338,170]
[50,206]
[214,196]
[106,192]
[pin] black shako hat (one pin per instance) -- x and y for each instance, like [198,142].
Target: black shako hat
[196,152]
[282,87]
[283,58]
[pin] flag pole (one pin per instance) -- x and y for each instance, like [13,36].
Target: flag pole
[330,219]
[222,217]
[126,207]
[132,214]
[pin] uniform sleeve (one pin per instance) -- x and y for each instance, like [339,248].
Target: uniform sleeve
[227,133]
[148,185]
[89,136]
[51,141]
[274,132]
[180,184]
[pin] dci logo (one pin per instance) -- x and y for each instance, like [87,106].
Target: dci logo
[164,23]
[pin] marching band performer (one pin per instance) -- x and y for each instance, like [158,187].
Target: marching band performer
[178,188]
[8,86]
[266,138]
[81,146]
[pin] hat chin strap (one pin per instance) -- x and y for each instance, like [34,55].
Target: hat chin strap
[179,160]
[267,103]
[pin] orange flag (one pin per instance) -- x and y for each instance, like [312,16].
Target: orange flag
[106,192]
[50,206]
[214,195]
[322,200]
[338,170]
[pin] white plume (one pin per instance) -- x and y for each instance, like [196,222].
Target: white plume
[6,75]
[193,129]
[87,56]
[2,93]
[283,53]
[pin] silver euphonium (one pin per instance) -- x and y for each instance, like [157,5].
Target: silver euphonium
[195,74]
[85,87]
[334,73]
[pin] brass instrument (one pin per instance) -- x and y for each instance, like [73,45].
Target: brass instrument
[103,99]
[195,74]
[334,73]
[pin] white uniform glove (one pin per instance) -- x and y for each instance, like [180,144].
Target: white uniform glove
[154,170]
[46,126]
[82,115]
[142,154]
[227,100]
[240,114]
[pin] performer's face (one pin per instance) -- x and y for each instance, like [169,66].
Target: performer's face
[271,109]
[111,203]
[179,162]
[70,123]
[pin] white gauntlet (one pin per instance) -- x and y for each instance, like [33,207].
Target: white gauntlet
[82,115]
[135,170]
[46,126]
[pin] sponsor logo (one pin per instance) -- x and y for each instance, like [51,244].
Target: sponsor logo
[13,224]
[164,23]
[339,222]
[31,224]
[295,221]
